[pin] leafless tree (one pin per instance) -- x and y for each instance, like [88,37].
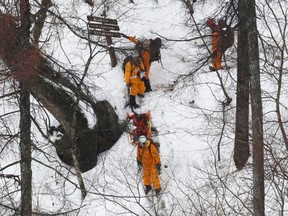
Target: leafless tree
[256,106]
[25,121]
[214,187]
[29,69]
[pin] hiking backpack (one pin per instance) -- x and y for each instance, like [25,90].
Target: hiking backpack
[152,45]
[227,39]
[126,60]
[155,46]
[156,144]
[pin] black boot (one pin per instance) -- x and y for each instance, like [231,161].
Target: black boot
[157,191]
[141,95]
[147,85]
[147,189]
[133,103]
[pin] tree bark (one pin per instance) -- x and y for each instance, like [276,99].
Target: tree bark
[248,65]
[25,151]
[257,113]
[241,144]
[25,121]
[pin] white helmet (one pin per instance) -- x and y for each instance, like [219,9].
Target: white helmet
[142,139]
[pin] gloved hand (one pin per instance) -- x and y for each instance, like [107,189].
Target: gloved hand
[142,75]
[128,85]
[139,163]
[125,36]
[158,167]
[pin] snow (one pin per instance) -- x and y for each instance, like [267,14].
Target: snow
[188,118]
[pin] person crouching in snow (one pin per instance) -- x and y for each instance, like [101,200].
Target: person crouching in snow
[217,33]
[148,159]
[134,75]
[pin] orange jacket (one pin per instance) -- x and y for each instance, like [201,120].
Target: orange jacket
[132,72]
[132,77]
[148,155]
[216,34]
[216,46]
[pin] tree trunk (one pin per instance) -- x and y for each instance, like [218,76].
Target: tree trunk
[257,113]
[241,145]
[25,151]
[25,121]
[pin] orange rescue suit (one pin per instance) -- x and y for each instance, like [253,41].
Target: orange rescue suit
[145,56]
[132,77]
[149,157]
[216,51]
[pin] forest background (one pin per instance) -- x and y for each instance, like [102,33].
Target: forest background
[53,72]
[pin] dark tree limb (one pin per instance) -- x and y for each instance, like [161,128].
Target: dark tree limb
[39,19]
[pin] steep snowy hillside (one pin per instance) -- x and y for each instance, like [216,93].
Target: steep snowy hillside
[179,113]
[187,105]
[114,185]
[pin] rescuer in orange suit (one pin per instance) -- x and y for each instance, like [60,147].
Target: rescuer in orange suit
[148,159]
[145,55]
[216,42]
[133,76]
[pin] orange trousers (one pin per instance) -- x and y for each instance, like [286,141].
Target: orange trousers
[146,56]
[137,86]
[150,176]
[216,53]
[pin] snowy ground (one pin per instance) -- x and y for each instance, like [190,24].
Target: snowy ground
[188,119]
[114,185]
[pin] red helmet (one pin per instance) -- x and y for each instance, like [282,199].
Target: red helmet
[210,21]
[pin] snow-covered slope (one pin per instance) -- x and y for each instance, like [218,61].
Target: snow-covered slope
[114,186]
[188,115]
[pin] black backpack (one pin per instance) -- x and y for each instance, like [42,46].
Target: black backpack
[227,39]
[152,45]
[155,46]
[126,60]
